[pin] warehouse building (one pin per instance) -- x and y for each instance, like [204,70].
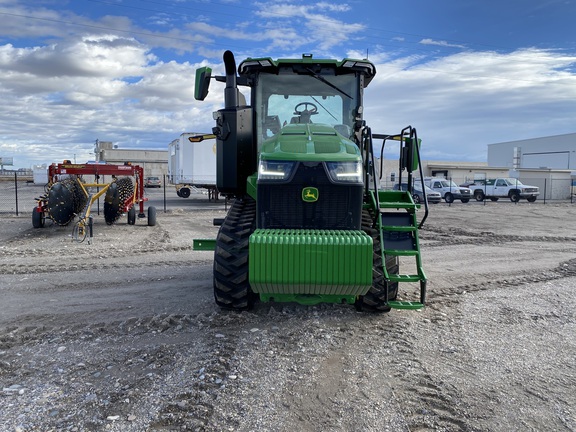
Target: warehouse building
[554,184]
[154,162]
[553,152]
[546,162]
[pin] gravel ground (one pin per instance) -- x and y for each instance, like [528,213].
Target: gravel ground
[123,335]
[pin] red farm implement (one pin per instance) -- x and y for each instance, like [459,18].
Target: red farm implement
[73,188]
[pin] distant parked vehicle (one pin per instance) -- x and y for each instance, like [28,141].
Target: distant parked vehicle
[417,194]
[504,188]
[152,182]
[192,164]
[448,189]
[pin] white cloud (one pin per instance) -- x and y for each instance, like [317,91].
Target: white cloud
[57,97]
[441,43]
[463,102]
[61,98]
[307,24]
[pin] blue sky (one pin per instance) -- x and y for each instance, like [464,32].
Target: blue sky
[465,73]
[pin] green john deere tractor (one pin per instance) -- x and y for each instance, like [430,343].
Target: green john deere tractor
[309,222]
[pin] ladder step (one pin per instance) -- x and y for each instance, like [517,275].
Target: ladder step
[398,241]
[400,252]
[395,199]
[402,222]
[405,278]
[398,228]
[399,205]
[405,305]
[397,219]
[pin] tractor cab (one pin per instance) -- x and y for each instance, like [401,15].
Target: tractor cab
[300,109]
[306,91]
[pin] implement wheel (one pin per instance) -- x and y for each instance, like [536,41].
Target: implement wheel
[231,285]
[111,204]
[37,218]
[376,299]
[151,216]
[131,216]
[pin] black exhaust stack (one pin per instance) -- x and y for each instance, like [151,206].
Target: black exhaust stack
[231,90]
[235,147]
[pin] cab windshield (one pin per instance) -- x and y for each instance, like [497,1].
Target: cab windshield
[296,98]
[513,182]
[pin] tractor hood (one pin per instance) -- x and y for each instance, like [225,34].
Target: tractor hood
[309,142]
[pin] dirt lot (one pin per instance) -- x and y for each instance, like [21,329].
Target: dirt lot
[123,335]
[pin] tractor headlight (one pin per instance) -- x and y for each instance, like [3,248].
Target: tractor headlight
[275,170]
[345,172]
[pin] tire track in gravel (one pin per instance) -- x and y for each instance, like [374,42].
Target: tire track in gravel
[334,369]
[78,265]
[566,269]
[305,363]
[437,237]
[425,403]
[306,370]
[179,357]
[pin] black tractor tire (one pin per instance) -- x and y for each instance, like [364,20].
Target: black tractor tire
[64,201]
[465,200]
[111,204]
[514,196]
[531,199]
[376,299]
[37,218]
[131,216]
[494,199]
[178,193]
[118,193]
[151,216]
[231,284]
[184,192]
[449,198]
[479,195]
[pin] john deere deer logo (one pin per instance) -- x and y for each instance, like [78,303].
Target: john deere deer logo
[309,194]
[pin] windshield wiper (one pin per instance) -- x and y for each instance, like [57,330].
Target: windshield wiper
[328,83]
[325,109]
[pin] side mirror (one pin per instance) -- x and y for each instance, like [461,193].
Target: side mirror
[203,76]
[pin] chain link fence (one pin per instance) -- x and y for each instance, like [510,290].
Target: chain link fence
[18,194]
[550,190]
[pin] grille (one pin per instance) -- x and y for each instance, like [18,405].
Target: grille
[281,205]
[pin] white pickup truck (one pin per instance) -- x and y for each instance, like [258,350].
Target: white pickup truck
[503,188]
[448,189]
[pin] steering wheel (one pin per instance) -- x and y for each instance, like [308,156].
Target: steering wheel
[312,111]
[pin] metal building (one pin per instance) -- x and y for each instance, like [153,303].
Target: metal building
[552,152]
[154,162]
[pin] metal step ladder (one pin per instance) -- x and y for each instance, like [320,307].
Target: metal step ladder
[399,237]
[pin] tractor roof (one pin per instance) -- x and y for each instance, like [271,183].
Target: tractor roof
[308,64]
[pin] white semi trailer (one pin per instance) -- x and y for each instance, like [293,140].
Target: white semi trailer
[192,164]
